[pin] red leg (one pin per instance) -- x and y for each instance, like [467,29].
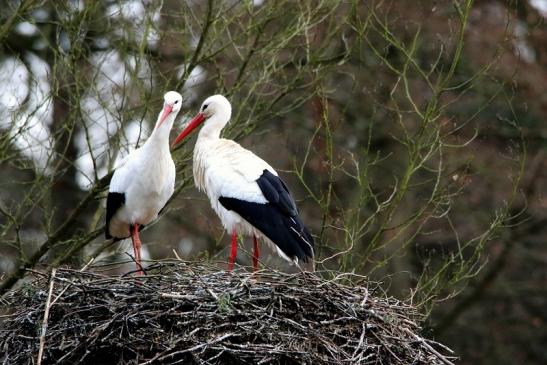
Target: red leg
[233,251]
[137,247]
[256,253]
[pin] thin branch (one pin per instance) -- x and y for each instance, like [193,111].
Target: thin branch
[46,318]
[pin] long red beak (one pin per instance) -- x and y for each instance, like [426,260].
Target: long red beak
[198,119]
[167,109]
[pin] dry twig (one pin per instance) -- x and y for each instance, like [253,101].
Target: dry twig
[46,317]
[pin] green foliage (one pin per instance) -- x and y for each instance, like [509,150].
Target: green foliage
[224,303]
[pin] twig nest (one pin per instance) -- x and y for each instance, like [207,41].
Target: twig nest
[191,313]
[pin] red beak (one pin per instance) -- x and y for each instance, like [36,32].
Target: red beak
[167,109]
[198,119]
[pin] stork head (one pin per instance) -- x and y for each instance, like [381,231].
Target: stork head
[215,111]
[172,102]
[216,105]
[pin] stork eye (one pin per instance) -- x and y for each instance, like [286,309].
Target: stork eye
[176,102]
[205,106]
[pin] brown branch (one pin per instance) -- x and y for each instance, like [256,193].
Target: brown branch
[55,238]
[194,60]
[76,247]
[252,50]
[22,8]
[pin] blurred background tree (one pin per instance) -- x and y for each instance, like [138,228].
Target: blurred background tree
[410,132]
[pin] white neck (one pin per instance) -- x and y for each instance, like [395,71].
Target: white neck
[160,135]
[213,126]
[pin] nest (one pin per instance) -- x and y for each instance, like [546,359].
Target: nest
[191,313]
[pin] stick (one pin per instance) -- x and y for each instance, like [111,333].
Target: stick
[428,346]
[46,317]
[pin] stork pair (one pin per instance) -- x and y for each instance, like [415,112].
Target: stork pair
[244,190]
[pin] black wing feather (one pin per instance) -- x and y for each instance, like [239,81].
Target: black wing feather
[276,192]
[278,219]
[114,201]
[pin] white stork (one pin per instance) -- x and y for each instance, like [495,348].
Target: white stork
[244,190]
[144,181]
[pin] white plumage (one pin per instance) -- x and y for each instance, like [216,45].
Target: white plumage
[224,168]
[147,178]
[231,175]
[144,181]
